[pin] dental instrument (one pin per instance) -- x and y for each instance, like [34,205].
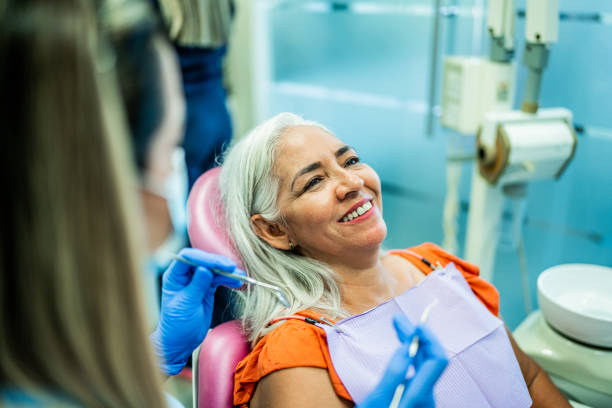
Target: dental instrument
[329,322]
[414,344]
[412,350]
[280,295]
[310,320]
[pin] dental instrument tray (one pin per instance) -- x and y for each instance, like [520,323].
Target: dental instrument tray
[576,300]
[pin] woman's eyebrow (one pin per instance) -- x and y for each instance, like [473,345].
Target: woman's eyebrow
[343,150]
[307,169]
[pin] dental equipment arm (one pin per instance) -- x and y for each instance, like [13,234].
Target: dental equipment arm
[186,306]
[500,24]
[542,30]
[513,147]
[541,389]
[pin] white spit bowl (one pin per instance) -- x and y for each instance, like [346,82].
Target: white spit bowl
[576,299]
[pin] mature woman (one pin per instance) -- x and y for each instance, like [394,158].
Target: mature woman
[305,214]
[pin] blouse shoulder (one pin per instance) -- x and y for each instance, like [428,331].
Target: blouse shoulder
[483,290]
[294,343]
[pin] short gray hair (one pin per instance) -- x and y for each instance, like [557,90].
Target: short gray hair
[249,186]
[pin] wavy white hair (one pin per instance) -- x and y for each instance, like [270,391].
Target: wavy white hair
[249,186]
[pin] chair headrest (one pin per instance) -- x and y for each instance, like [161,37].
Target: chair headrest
[207,228]
[220,353]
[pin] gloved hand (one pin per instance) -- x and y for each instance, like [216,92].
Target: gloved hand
[429,363]
[186,306]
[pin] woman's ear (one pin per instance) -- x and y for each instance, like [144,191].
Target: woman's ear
[271,232]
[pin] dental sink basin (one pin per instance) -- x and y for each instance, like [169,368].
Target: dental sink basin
[576,300]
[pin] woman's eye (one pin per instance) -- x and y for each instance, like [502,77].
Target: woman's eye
[351,161]
[312,182]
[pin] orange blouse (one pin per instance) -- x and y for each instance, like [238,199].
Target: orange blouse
[296,344]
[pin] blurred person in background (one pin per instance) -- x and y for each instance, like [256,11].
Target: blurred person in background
[200,32]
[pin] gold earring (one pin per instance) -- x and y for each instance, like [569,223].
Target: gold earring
[291,247]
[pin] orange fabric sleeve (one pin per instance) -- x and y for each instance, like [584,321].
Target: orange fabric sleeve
[298,344]
[292,344]
[484,291]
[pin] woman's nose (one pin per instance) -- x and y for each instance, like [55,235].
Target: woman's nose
[349,185]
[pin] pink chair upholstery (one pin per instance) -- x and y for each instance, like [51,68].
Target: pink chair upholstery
[220,352]
[206,227]
[225,345]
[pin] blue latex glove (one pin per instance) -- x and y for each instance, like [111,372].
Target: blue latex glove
[186,306]
[429,363]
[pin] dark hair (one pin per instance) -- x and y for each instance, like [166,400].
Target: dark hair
[138,68]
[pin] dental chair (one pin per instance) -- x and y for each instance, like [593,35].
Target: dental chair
[214,362]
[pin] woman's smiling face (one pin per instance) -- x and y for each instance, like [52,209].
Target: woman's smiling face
[330,201]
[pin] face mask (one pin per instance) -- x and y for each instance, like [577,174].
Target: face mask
[174,192]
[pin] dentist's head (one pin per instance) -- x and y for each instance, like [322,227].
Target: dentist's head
[152,91]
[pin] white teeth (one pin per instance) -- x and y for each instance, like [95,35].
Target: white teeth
[359,211]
